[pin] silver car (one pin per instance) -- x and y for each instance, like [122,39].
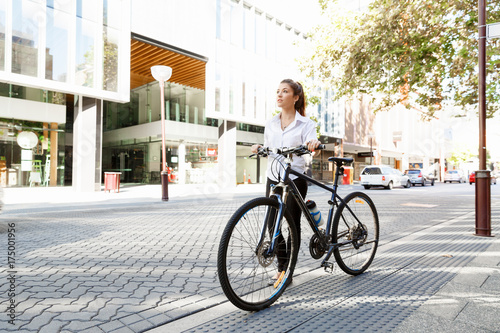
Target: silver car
[454,176]
[417,176]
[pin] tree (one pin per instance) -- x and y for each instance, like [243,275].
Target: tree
[461,155]
[421,53]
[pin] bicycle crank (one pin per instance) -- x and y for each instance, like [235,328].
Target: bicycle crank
[317,248]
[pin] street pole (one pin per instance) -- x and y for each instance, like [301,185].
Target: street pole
[164,173]
[371,150]
[483,204]
[162,74]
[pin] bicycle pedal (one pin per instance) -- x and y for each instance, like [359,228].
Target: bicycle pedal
[328,267]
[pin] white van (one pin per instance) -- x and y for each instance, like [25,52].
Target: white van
[382,175]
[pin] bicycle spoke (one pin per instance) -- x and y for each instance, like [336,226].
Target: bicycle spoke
[244,269]
[356,225]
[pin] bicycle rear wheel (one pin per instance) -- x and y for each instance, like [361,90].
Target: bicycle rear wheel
[246,269]
[356,226]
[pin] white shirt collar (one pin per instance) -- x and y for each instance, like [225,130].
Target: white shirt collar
[298,117]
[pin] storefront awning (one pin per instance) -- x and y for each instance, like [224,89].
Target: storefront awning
[187,68]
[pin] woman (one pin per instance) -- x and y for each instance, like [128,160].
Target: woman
[289,128]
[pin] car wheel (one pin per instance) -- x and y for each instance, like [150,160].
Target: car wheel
[423,182]
[432,183]
[470,183]
[389,186]
[413,184]
[367,187]
[408,184]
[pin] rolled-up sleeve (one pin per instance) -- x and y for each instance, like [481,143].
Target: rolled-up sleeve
[310,131]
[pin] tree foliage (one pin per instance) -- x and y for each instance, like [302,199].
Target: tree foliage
[460,155]
[421,53]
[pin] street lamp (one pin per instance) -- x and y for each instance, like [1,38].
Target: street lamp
[162,74]
[371,135]
[483,194]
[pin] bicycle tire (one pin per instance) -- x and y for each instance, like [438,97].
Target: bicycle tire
[356,256]
[243,270]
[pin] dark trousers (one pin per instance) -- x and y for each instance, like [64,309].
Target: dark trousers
[296,213]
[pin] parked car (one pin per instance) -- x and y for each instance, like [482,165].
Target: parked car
[454,176]
[472,178]
[417,176]
[381,175]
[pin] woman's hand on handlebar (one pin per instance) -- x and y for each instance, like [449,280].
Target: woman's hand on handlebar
[312,145]
[255,148]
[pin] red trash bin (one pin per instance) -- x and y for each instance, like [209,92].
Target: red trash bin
[348,176]
[112,181]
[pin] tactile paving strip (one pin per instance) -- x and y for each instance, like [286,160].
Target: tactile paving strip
[340,303]
[401,279]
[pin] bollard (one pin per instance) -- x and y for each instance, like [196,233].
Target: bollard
[164,185]
[483,203]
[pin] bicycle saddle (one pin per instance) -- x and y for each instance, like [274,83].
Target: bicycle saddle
[340,160]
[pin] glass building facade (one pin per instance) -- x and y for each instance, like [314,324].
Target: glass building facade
[55,53]
[138,157]
[51,52]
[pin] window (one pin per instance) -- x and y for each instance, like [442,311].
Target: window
[218,20]
[231,94]
[248,30]
[243,103]
[236,24]
[85,42]
[57,32]
[111,38]
[25,37]
[260,34]
[3,5]
[270,38]
[371,171]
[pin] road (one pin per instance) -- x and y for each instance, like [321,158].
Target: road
[136,267]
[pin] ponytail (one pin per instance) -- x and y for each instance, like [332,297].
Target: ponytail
[298,90]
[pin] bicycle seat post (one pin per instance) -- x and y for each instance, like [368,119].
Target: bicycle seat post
[338,171]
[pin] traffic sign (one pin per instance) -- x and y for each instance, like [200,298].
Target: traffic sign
[493,30]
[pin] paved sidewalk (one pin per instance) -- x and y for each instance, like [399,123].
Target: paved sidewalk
[441,279]
[43,198]
[128,262]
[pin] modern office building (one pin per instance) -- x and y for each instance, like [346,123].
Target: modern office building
[58,61]
[77,75]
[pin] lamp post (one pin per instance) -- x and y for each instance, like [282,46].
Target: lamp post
[371,135]
[162,74]
[483,195]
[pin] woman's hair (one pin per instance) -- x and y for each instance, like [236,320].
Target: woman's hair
[298,90]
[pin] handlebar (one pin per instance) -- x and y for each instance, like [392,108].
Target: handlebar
[299,150]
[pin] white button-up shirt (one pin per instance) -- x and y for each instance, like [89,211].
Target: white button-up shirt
[299,132]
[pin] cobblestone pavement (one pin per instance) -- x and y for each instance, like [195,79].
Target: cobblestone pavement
[135,265]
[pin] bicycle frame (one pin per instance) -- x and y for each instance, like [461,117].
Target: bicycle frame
[287,183]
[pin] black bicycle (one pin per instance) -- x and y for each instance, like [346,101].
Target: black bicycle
[260,239]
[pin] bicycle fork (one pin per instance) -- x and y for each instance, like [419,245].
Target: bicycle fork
[271,217]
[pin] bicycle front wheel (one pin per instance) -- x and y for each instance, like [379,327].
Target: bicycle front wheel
[355,231]
[246,266]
